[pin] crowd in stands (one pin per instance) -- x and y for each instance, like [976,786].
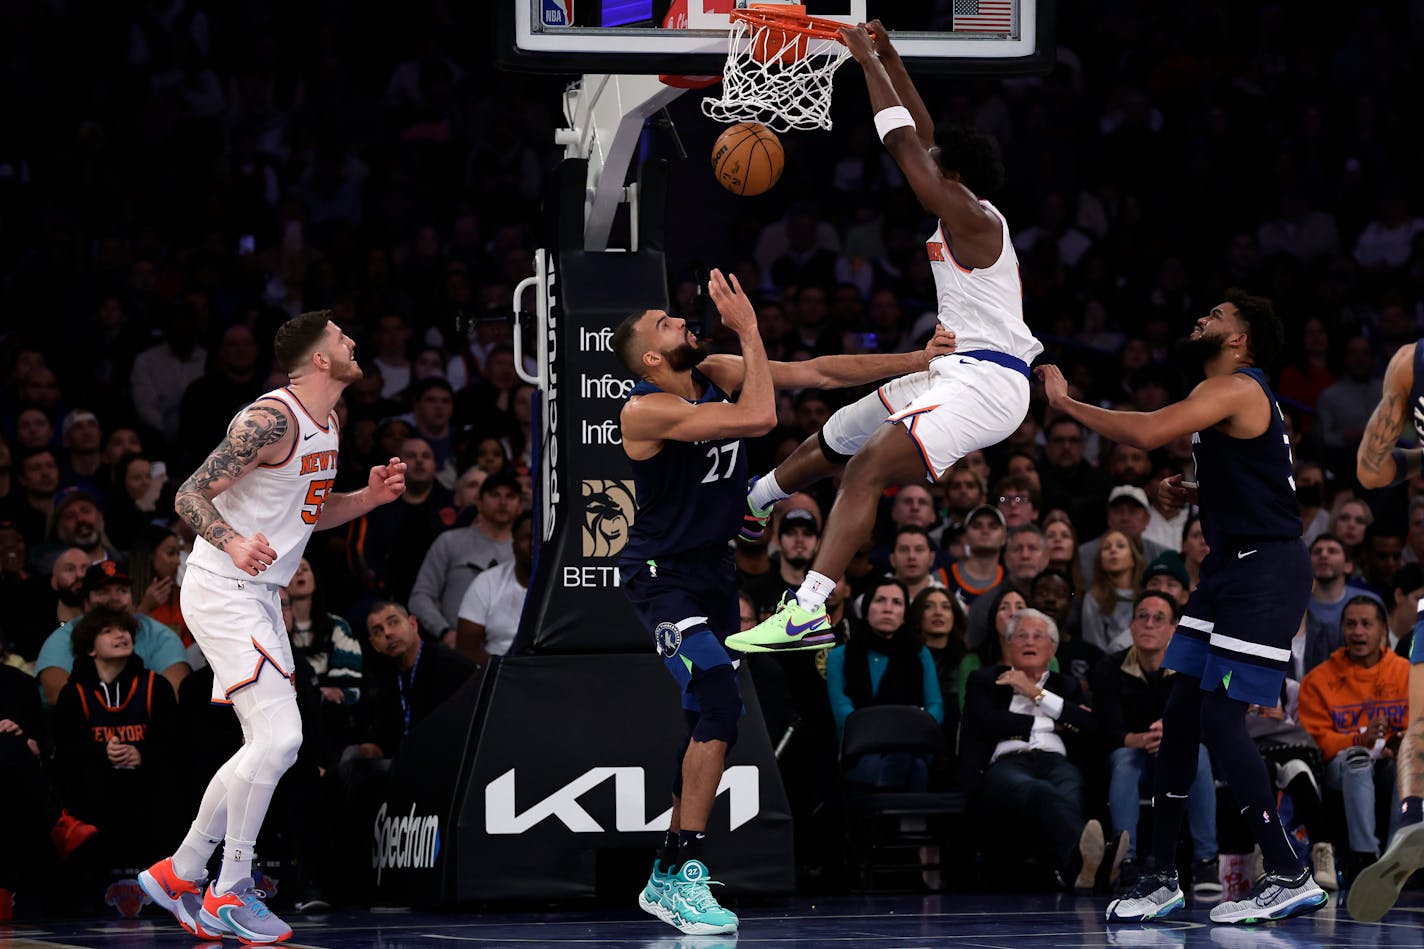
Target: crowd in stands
[177,178]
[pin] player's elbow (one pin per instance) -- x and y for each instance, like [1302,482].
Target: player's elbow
[760,425]
[1370,479]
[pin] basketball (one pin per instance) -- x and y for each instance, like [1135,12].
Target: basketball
[747,158]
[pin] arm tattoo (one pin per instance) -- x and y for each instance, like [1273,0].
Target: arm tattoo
[250,433]
[1382,432]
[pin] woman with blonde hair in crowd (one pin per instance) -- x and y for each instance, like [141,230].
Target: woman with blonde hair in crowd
[1117,579]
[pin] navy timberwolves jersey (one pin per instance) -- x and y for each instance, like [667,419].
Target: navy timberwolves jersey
[1246,486]
[690,495]
[1416,392]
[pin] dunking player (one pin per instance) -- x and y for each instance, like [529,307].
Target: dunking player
[683,437]
[973,399]
[1232,644]
[1379,463]
[253,504]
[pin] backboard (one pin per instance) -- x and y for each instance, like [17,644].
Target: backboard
[627,37]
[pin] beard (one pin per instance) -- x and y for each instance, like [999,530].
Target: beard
[70,598]
[347,372]
[685,356]
[796,563]
[1197,351]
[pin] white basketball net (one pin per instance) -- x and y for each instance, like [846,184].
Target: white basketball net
[780,95]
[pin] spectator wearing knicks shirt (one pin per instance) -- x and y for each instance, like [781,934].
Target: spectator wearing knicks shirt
[1355,706]
[115,740]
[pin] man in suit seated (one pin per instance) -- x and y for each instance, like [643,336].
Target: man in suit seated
[1022,739]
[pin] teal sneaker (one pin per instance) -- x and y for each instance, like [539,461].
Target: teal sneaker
[755,518]
[653,899]
[789,629]
[694,909]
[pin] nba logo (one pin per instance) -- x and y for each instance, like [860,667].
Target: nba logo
[557,13]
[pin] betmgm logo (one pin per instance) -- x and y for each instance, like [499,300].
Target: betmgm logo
[608,511]
[411,842]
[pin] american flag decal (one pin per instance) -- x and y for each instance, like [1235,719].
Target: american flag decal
[983,16]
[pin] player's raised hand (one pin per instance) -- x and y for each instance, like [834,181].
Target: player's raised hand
[859,42]
[737,311]
[942,343]
[252,554]
[881,38]
[387,482]
[1054,385]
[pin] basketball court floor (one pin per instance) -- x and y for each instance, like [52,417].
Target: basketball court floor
[996,921]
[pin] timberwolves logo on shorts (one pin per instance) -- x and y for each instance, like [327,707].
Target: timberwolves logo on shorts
[608,509]
[669,639]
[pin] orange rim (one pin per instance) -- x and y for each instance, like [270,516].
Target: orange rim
[816,27]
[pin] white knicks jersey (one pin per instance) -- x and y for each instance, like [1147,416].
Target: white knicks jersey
[984,306]
[281,501]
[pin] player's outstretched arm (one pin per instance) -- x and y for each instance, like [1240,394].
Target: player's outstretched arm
[904,86]
[662,416]
[833,372]
[948,200]
[1378,463]
[256,435]
[1210,403]
[384,484]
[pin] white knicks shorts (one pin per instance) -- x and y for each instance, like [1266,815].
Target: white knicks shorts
[238,624]
[968,404]
[851,426]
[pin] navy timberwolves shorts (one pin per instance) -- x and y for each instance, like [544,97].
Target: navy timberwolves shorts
[1237,627]
[688,605]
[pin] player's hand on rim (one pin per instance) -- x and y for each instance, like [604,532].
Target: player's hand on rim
[857,39]
[880,37]
[251,555]
[737,311]
[387,482]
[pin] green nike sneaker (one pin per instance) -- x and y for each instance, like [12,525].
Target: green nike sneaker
[790,629]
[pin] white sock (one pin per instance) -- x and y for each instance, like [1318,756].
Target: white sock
[814,590]
[766,492]
[191,860]
[237,863]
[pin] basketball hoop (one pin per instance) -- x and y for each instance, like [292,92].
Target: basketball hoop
[780,65]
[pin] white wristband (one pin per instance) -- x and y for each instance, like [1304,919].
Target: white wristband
[895,117]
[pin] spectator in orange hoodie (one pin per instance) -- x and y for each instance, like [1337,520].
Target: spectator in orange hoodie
[1355,705]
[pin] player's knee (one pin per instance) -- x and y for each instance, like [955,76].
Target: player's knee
[276,739]
[1357,759]
[719,704]
[837,458]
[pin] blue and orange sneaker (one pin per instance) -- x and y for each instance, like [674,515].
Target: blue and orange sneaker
[241,912]
[183,898]
[791,628]
[755,518]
